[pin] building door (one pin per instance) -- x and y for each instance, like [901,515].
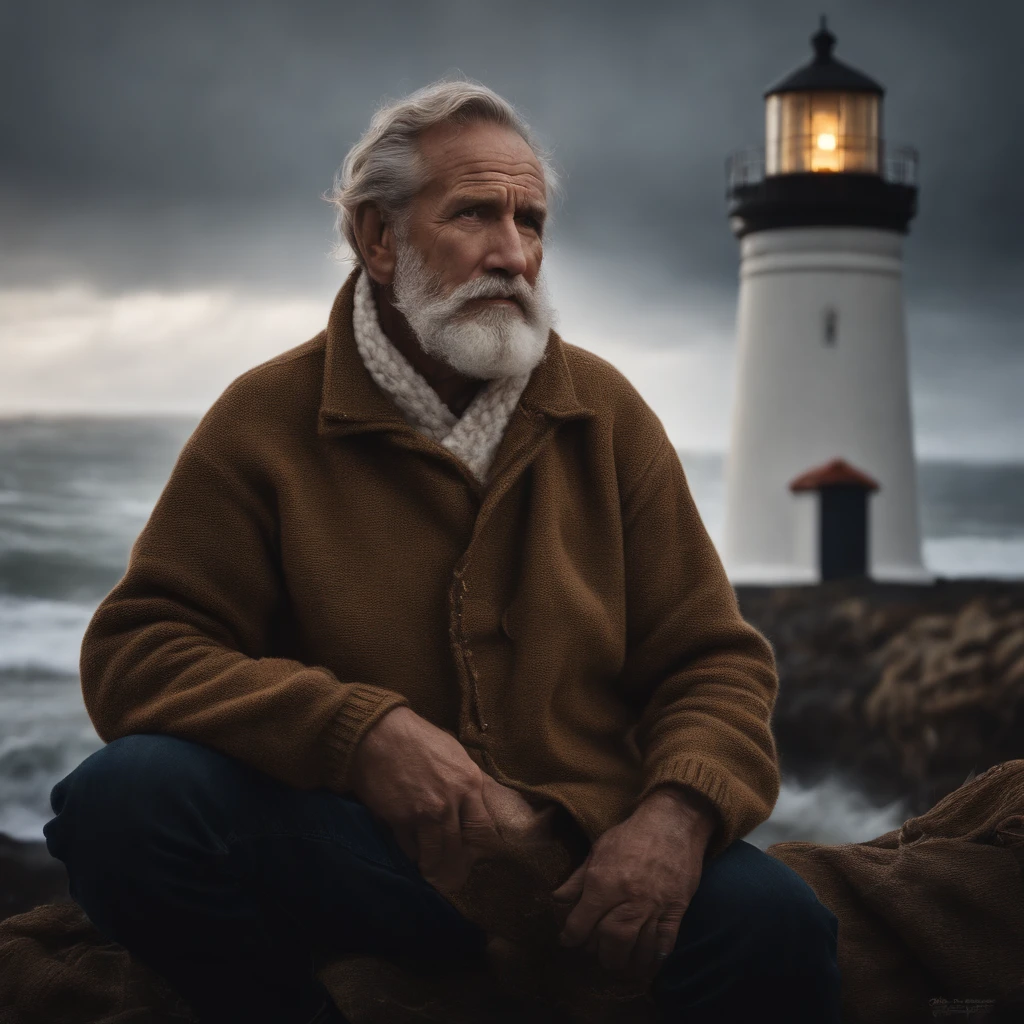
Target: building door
[843,531]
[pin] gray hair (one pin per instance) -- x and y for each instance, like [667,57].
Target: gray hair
[385,167]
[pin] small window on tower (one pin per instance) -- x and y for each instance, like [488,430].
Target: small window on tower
[831,325]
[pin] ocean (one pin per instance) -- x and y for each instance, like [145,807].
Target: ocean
[74,493]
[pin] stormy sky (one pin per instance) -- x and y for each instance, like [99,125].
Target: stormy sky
[161,167]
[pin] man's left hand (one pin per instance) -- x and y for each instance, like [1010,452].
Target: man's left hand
[638,880]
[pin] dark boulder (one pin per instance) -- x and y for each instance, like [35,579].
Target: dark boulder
[28,876]
[905,690]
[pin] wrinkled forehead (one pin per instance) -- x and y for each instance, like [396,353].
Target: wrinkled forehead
[480,153]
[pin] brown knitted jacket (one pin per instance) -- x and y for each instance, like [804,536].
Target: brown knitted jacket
[314,561]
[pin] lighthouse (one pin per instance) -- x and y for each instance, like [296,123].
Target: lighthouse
[821,211]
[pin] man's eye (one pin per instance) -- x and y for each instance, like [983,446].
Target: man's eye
[469,211]
[531,222]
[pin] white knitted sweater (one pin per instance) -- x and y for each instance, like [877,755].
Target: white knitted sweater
[475,437]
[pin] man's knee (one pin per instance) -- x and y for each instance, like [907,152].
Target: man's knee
[765,912]
[137,781]
[754,944]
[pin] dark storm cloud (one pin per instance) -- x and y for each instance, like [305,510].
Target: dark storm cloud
[164,143]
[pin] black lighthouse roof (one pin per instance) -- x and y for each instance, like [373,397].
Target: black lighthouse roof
[825,73]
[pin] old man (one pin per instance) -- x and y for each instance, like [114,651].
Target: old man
[429,580]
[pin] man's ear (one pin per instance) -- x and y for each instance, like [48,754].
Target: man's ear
[376,238]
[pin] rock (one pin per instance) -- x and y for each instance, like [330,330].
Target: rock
[28,876]
[1009,649]
[946,694]
[903,689]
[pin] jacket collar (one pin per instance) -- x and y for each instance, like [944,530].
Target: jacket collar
[351,402]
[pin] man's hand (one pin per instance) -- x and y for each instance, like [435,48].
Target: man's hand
[518,822]
[420,780]
[638,880]
[446,812]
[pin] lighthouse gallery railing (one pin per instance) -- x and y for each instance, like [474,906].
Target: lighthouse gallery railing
[897,164]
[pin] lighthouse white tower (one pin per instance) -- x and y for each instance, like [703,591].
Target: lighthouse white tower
[820,212]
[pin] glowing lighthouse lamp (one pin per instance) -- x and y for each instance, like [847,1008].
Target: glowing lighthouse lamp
[822,398]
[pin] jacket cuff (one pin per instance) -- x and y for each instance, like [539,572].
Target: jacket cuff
[364,706]
[710,783]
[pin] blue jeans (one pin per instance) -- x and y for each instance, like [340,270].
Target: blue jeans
[236,888]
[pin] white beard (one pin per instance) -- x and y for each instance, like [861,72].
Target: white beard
[499,342]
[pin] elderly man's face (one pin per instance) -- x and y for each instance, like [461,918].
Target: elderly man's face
[467,258]
[482,211]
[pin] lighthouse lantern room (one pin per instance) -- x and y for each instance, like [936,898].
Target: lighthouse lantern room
[821,210]
[825,117]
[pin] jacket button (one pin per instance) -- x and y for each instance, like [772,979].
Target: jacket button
[506,626]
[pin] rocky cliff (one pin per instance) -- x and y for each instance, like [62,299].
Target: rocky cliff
[904,689]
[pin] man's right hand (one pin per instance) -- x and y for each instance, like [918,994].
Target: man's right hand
[420,780]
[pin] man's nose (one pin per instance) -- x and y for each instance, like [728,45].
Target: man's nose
[506,251]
